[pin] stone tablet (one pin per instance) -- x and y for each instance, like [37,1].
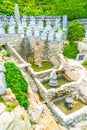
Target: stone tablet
[80,57]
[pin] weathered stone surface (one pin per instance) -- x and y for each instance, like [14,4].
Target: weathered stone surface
[2,68]
[10,97]
[80,126]
[82,93]
[75,71]
[2,84]
[22,117]
[47,122]
[9,91]
[35,115]
[82,47]
[6,118]
[18,119]
[2,108]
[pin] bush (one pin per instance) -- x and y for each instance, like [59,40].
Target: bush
[75,30]
[1,47]
[22,98]
[71,51]
[1,100]
[10,107]
[7,54]
[85,64]
[17,83]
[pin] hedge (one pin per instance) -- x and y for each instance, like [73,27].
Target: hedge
[17,83]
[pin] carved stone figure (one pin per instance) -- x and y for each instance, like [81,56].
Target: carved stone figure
[37,54]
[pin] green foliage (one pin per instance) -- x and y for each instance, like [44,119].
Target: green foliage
[10,107]
[71,51]
[1,47]
[16,27]
[28,23]
[1,100]
[7,54]
[85,64]
[22,98]
[44,24]
[56,30]
[45,66]
[15,80]
[73,8]
[31,121]
[6,27]
[75,30]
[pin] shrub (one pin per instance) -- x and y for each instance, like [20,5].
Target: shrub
[85,64]
[22,98]
[6,27]
[7,54]
[1,47]
[75,30]
[17,83]
[56,30]
[10,107]
[16,27]
[1,100]
[71,51]
[28,23]
[44,24]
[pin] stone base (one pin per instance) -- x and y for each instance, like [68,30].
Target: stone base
[53,84]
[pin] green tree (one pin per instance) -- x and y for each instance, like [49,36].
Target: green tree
[75,30]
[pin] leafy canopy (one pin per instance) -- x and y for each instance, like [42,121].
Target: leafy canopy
[72,8]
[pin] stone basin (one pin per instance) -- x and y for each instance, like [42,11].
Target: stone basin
[76,106]
[68,117]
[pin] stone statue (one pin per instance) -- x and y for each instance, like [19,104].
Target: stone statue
[53,79]
[16,13]
[37,54]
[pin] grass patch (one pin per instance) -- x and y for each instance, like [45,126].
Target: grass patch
[45,66]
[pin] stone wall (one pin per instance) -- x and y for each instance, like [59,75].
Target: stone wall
[68,120]
[53,48]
